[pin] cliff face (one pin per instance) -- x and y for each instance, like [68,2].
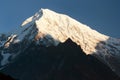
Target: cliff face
[48,28]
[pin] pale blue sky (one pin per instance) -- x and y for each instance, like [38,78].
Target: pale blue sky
[101,15]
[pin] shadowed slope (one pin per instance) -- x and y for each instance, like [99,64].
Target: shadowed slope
[5,77]
[64,62]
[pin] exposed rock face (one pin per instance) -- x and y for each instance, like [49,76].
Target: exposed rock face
[48,28]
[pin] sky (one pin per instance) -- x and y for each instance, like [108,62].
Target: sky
[101,15]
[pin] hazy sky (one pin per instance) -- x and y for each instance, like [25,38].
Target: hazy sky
[101,15]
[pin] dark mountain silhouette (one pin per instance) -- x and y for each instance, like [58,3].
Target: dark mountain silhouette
[64,62]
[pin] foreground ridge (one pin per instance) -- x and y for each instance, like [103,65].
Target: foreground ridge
[49,28]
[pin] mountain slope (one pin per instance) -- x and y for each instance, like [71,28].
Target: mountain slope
[48,28]
[58,63]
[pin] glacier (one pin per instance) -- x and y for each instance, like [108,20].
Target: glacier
[49,28]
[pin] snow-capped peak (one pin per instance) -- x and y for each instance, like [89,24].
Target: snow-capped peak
[48,28]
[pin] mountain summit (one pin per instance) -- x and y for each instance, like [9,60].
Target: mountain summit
[47,29]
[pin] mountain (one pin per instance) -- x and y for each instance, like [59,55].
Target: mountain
[53,46]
